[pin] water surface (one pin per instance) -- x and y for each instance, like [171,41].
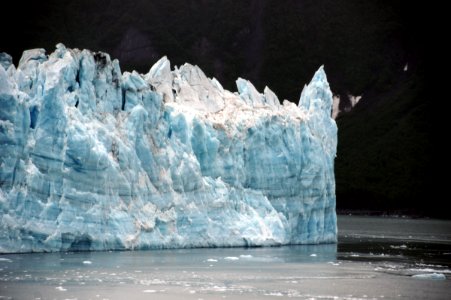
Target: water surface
[375,258]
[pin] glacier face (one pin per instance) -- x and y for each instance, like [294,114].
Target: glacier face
[95,159]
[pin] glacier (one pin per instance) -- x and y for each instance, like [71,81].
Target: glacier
[95,159]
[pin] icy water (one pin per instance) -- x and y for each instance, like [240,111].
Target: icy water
[376,258]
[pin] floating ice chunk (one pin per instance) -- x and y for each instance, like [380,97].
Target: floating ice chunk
[431,270]
[87,262]
[398,247]
[3,259]
[61,289]
[275,294]
[219,288]
[212,260]
[313,255]
[231,258]
[149,291]
[431,276]
[246,256]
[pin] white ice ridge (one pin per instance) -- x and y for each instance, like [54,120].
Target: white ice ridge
[94,159]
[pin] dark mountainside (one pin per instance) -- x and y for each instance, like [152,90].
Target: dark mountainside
[385,146]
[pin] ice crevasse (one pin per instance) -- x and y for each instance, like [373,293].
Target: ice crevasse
[95,159]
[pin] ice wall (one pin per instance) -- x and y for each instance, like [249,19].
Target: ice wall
[93,159]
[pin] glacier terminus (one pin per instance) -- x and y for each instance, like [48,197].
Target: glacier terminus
[92,158]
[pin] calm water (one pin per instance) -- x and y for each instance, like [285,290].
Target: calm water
[376,258]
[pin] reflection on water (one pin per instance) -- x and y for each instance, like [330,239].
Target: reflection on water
[375,258]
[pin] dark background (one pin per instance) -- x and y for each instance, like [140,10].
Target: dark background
[384,161]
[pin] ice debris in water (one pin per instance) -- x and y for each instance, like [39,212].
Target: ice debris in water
[95,159]
[398,247]
[432,276]
[231,258]
[2,259]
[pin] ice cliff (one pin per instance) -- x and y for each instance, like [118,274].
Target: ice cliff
[93,159]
